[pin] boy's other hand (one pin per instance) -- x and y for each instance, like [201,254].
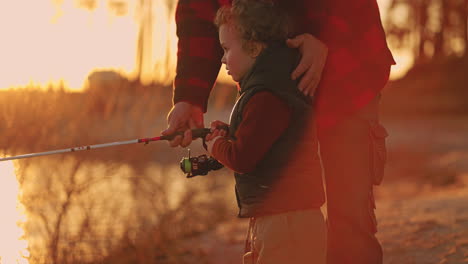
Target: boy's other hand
[183,117]
[314,55]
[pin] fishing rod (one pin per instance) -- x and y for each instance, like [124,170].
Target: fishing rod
[196,133]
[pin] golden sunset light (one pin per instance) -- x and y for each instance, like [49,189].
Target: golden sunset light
[48,43]
[13,246]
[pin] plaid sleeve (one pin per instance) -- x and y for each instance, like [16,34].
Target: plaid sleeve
[199,53]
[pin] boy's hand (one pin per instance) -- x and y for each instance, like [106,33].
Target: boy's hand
[218,124]
[183,116]
[216,133]
[314,56]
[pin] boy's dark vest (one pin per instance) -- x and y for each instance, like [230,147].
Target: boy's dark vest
[288,177]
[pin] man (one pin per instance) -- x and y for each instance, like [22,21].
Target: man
[355,70]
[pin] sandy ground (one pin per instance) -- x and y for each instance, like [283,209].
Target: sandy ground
[429,228]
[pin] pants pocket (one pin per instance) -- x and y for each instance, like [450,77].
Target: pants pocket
[248,258]
[378,151]
[371,210]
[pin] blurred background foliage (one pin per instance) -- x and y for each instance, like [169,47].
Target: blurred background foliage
[435,33]
[431,29]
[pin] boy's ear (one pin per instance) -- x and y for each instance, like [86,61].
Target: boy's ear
[256,48]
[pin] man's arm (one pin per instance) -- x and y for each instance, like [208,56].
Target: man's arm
[198,63]
[199,53]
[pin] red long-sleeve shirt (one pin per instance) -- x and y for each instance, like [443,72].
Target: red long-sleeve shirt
[264,118]
[352,30]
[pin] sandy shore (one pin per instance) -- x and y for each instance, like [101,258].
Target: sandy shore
[428,228]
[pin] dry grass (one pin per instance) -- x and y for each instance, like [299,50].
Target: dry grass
[127,204]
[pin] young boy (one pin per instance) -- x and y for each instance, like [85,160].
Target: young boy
[272,143]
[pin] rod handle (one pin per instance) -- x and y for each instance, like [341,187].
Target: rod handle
[196,133]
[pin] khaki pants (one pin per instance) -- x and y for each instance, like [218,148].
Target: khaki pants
[297,237]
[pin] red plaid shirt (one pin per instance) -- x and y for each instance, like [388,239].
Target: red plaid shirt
[354,73]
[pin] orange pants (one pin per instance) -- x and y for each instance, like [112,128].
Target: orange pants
[353,156]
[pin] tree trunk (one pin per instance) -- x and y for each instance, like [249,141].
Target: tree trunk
[420,20]
[145,36]
[439,39]
[465,27]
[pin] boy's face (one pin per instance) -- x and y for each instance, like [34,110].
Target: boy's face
[238,61]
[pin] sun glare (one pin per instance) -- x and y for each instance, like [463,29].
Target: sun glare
[49,43]
[13,247]
[44,43]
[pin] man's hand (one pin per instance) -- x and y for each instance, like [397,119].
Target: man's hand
[183,116]
[314,55]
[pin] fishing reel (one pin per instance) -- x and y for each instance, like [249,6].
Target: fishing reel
[201,165]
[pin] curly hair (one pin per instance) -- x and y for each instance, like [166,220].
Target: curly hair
[256,20]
